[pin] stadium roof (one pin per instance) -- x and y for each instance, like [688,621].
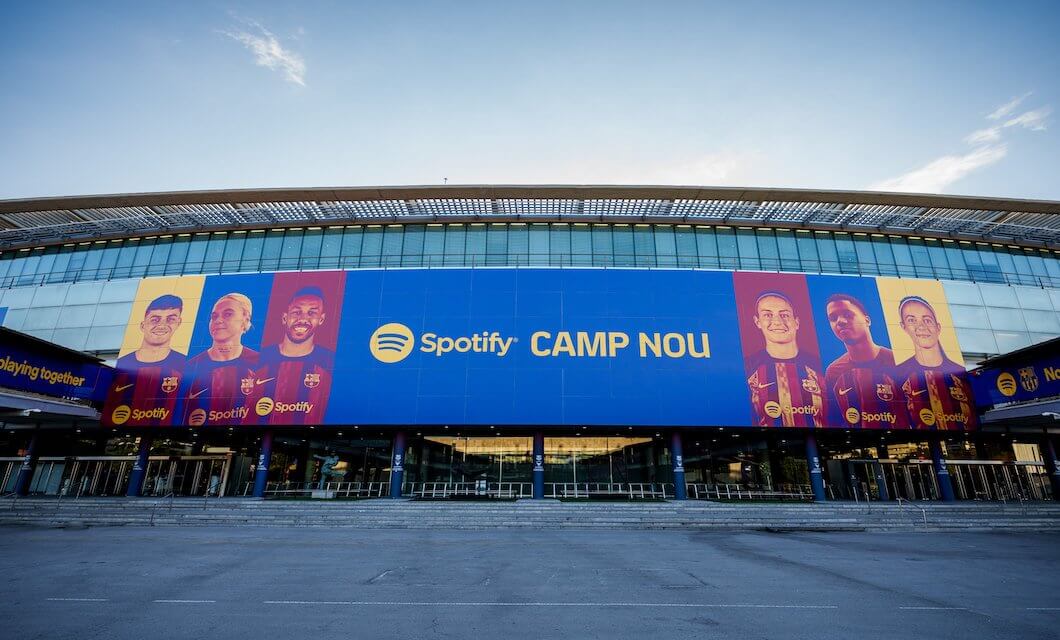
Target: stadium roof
[45,221]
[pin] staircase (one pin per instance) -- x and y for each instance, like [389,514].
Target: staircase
[532,514]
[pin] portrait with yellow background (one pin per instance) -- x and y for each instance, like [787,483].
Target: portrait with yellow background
[187,288]
[893,291]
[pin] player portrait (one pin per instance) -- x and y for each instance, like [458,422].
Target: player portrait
[936,387]
[221,377]
[292,382]
[143,391]
[781,360]
[861,384]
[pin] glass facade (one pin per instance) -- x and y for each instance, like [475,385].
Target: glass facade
[532,244]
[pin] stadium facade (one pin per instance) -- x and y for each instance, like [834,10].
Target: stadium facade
[530,340]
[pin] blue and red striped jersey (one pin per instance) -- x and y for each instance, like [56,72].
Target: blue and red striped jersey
[785,392]
[218,389]
[290,390]
[937,398]
[865,395]
[144,394]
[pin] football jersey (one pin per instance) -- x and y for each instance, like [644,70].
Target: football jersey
[290,390]
[937,397]
[785,392]
[144,394]
[865,395]
[216,391]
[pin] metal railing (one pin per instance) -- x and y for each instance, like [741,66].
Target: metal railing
[628,490]
[329,489]
[700,491]
[482,488]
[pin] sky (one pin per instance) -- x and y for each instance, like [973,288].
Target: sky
[931,97]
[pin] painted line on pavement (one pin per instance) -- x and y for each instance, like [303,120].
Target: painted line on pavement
[1043,609]
[76,599]
[934,608]
[389,603]
[185,601]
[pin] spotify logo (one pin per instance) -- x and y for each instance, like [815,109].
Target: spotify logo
[121,414]
[852,415]
[773,409]
[1006,384]
[392,342]
[264,406]
[927,416]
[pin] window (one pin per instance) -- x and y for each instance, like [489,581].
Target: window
[748,248]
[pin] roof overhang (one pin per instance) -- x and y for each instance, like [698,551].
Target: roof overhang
[45,221]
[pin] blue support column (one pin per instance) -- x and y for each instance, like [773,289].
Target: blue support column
[261,474]
[539,465]
[1052,464]
[813,460]
[139,470]
[677,458]
[397,465]
[29,464]
[942,474]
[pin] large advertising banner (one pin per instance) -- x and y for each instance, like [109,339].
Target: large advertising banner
[570,347]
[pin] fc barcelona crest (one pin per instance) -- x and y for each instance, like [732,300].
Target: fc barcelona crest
[885,391]
[170,383]
[1028,379]
[312,380]
[957,390]
[246,385]
[810,384]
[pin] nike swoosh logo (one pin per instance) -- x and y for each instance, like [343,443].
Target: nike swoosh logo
[917,393]
[123,388]
[263,381]
[198,393]
[843,392]
[763,386]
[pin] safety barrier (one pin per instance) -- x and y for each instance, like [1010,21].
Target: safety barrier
[329,489]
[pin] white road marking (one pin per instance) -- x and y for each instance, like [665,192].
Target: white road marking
[1043,608]
[934,608]
[185,601]
[76,599]
[389,603]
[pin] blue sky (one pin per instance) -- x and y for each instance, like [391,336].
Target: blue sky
[104,97]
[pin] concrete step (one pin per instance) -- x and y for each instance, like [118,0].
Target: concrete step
[383,514]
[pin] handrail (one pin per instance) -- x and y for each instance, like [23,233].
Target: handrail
[171,495]
[902,502]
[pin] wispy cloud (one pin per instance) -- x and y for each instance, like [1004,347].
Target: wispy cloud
[1008,107]
[269,53]
[1033,120]
[988,148]
[942,172]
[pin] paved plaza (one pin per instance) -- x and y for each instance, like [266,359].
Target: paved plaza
[295,583]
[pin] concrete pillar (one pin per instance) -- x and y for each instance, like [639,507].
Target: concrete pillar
[261,475]
[139,470]
[1052,464]
[677,459]
[539,465]
[942,474]
[397,465]
[29,465]
[814,462]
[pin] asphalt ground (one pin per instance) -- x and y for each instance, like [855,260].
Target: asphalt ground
[232,583]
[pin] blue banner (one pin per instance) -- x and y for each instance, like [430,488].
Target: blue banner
[1017,382]
[27,369]
[540,347]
